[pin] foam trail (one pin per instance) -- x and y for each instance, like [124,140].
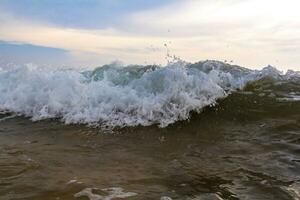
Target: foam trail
[6,118]
[111,193]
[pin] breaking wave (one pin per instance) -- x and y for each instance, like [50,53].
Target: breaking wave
[117,96]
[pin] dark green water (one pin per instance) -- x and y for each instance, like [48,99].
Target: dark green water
[247,147]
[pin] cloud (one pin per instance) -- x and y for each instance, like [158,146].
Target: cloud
[104,43]
[91,14]
[217,16]
[252,33]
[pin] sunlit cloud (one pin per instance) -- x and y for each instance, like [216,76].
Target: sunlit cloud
[252,33]
[104,43]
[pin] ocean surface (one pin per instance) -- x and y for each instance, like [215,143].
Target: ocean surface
[191,131]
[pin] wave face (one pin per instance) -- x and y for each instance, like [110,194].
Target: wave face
[119,96]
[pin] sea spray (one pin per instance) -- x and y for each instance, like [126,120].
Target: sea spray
[118,96]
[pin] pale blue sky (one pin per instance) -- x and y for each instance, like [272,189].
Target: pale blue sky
[81,14]
[91,14]
[253,33]
[26,53]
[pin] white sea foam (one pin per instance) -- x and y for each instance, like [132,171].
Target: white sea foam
[115,96]
[109,193]
[165,198]
[6,118]
[293,190]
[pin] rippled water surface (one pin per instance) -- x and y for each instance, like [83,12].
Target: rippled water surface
[247,147]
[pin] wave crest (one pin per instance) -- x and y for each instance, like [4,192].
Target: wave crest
[116,96]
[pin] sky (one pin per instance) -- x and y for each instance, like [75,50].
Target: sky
[89,33]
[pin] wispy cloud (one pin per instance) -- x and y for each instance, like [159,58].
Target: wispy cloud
[253,33]
[104,42]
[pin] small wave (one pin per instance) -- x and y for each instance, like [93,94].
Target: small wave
[118,96]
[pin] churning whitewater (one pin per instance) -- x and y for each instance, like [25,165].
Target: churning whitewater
[118,96]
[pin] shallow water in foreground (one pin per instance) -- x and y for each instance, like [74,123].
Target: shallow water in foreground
[247,147]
